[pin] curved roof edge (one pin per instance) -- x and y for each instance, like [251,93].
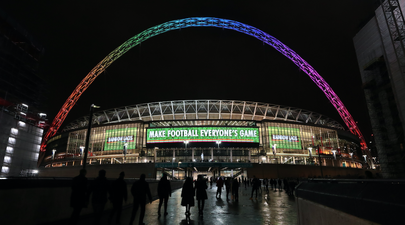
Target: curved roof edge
[204,109]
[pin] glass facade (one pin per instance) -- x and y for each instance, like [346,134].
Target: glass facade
[112,139]
[272,142]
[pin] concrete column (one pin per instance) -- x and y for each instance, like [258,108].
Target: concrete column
[154,153]
[305,161]
[249,155]
[174,154]
[231,155]
[293,160]
[192,154]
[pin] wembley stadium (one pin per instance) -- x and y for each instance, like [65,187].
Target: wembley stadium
[214,137]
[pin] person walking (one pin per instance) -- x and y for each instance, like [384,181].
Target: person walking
[118,194]
[235,189]
[279,184]
[271,183]
[259,182]
[201,193]
[164,192]
[220,184]
[255,186]
[266,184]
[79,198]
[187,195]
[227,186]
[99,190]
[140,189]
[211,182]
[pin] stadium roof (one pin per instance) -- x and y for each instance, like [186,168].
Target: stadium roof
[204,110]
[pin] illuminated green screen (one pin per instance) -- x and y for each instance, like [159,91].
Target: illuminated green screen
[116,139]
[202,134]
[285,137]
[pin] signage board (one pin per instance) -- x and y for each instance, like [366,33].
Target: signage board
[202,134]
[117,139]
[285,137]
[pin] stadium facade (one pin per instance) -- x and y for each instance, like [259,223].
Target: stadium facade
[200,134]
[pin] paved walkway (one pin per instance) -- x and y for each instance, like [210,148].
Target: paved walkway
[274,207]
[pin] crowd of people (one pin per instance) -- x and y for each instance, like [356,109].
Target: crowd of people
[101,190]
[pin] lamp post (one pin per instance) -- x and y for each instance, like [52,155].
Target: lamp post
[186,142]
[81,152]
[218,143]
[53,154]
[320,162]
[178,175]
[365,159]
[351,156]
[86,145]
[173,168]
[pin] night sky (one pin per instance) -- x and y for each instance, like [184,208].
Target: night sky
[198,63]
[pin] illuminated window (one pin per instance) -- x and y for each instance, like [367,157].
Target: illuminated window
[11,140]
[14,131]
[7,159]
[10,150]
[4,169]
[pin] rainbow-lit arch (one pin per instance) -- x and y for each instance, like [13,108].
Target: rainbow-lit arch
[202,22]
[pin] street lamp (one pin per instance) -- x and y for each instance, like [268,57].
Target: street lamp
[365,158]
[218,143]
[178,175]
[53,154]
[334,154]
[319,159]
[81,151]
[86,145]
[173,168]
[310,151]
[186,142]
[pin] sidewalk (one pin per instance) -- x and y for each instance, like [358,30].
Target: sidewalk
[272,208]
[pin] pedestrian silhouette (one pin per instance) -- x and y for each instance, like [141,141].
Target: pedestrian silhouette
[235,189]
[201,193]
[187,195]
[255,186]
[279,184]
[79,198]
[99,189]
[220,184]
[139,190]
[227,186]
[118,194]
[164,191]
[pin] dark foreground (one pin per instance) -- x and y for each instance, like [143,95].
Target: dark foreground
[274,207]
